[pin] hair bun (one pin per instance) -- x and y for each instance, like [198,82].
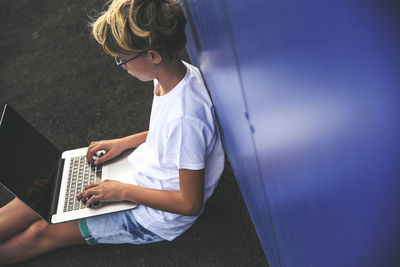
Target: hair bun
[137,25]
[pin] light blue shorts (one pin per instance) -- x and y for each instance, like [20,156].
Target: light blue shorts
[115,228]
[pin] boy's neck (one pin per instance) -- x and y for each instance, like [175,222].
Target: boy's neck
[170,74]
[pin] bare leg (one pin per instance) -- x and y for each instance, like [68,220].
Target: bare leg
[38,238]
[14,218]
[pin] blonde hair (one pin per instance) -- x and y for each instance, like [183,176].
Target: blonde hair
[137,25]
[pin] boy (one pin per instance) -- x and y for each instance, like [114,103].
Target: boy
[176,164]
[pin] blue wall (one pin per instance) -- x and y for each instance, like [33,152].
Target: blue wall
[307,95]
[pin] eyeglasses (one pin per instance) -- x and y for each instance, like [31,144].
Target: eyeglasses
[121,62]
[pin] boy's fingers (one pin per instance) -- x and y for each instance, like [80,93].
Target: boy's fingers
[92,153]
[89,154]
[85,194]
[90,186]
[92,144]
[102,159]
[86,191]
[92,200]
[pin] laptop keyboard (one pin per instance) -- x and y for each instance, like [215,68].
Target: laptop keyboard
[80,174]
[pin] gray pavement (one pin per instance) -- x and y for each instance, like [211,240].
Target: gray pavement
[55,75]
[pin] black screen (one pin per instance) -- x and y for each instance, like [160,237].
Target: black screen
[28,161]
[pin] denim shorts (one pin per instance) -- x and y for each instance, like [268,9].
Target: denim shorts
[115,228]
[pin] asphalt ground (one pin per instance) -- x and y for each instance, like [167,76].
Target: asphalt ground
[55,75]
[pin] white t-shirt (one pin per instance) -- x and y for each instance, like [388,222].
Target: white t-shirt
[183,134]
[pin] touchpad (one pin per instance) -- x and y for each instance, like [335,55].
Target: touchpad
[119,169]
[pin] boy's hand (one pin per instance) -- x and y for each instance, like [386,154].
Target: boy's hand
[105,191]
[112,148]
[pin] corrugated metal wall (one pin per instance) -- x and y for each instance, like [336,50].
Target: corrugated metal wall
[307,94]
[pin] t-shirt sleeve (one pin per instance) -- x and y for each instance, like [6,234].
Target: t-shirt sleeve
[186,144]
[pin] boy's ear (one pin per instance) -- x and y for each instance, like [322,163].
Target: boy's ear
[155,56]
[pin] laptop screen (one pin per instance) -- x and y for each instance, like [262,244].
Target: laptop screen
[27,161]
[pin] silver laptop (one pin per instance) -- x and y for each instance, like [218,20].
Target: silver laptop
[46,180]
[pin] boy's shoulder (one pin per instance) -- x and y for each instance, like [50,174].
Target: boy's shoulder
[192,100]
[195,92]
[194,86]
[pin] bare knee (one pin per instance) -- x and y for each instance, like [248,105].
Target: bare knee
[38,238]
[37,233]
[44,236]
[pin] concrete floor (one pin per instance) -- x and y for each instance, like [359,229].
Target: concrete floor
[55,75]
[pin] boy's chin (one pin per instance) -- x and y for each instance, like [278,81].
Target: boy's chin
[143,79]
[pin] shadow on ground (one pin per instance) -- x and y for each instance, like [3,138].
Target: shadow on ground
[55,75]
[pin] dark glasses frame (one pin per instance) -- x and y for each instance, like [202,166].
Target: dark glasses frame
[121,62]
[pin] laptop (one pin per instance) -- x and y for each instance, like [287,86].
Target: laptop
[45,179]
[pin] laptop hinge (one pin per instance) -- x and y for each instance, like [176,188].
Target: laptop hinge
[56,188]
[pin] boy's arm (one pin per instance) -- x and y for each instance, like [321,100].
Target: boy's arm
[134,140]
[187,201]
[114,147]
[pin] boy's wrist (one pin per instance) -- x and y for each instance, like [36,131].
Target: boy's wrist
[127,193]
